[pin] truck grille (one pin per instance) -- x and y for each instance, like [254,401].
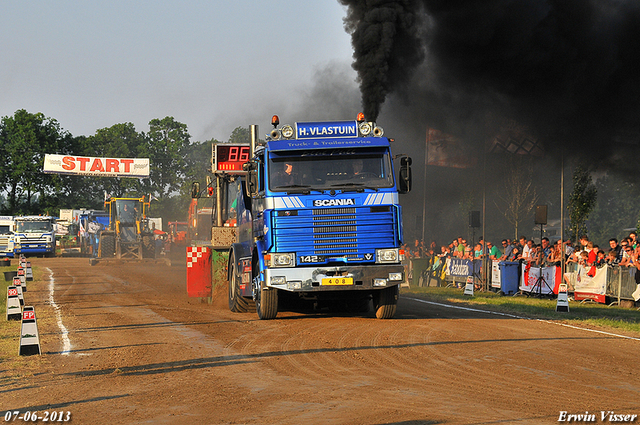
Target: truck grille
[336,232]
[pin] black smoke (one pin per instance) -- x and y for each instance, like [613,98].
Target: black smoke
[387,44]
[567,69]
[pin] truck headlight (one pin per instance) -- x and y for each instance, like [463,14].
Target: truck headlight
[387,255]
[281,259]
[395,276]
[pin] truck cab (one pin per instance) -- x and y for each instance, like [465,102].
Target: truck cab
[319,218]
[6,236]
[35,234]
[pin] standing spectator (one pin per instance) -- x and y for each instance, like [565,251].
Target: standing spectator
[568,249]
[592,252]
[545,246]
[508,248]
[493,251]
[634,239]
[468,253]
[613,243]
[555,254]
[627,259]
[612,258]
[522,244]
[477,251]
[526,251]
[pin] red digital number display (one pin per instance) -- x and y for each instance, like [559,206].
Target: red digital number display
[231,157]
[12,292]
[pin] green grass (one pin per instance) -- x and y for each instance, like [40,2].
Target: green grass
[15,365]
[585,314]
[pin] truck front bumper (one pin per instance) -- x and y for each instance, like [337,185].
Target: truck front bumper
[311,279]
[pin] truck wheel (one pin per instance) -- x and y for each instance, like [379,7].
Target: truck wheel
[385,302]
[266,299]
[108,246]
[237,303]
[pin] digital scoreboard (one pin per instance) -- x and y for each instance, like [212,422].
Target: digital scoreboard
[230,157]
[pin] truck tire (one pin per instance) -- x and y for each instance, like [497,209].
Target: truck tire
[148,247]
[237,303]
[385,302]
[266,299]
[108,246]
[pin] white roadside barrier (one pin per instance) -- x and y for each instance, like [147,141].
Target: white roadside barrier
[14,311]
[563,299]
[468,288]
[29,338]
[28,272]
[23,279]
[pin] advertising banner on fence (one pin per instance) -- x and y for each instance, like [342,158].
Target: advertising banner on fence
[591,287]
[531,280]
[101,167]
[459,268]
[496,281]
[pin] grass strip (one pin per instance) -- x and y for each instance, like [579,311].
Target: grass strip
[580,314]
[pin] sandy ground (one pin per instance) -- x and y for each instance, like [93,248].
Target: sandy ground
[140,351]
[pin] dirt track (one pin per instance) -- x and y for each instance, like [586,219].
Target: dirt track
[142,352]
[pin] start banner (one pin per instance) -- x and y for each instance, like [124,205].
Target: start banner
[102,167]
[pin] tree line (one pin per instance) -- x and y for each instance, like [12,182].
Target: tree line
[175,161]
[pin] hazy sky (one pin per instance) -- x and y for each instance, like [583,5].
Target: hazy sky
[212,65]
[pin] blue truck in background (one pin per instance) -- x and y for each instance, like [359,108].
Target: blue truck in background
[319,219]
[35,235]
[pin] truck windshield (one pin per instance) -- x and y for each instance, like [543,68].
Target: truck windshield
[330,169]
[128,210]
[5,229]
[33,226]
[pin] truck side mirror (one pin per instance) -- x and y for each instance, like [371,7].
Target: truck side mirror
[404,177]
[252,178]
[195,190]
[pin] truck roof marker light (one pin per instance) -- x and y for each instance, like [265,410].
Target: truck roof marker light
[360,117]
[365,128]
[275,121]
[287,131]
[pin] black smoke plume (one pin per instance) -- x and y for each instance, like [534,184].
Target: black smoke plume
[567,69]
[387,46]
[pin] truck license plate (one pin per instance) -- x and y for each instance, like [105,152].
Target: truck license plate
[337,281]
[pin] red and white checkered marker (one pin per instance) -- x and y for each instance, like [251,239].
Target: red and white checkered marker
[194,253]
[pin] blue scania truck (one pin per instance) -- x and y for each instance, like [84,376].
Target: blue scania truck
[319,219]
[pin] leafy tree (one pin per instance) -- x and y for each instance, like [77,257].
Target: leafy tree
[240,135]
[118,141]
[167,142]
[24,140]
[581,202]
[616,208]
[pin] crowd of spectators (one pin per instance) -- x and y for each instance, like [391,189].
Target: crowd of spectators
[586,253]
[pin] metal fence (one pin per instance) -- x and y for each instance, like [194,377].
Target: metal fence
[621,280]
